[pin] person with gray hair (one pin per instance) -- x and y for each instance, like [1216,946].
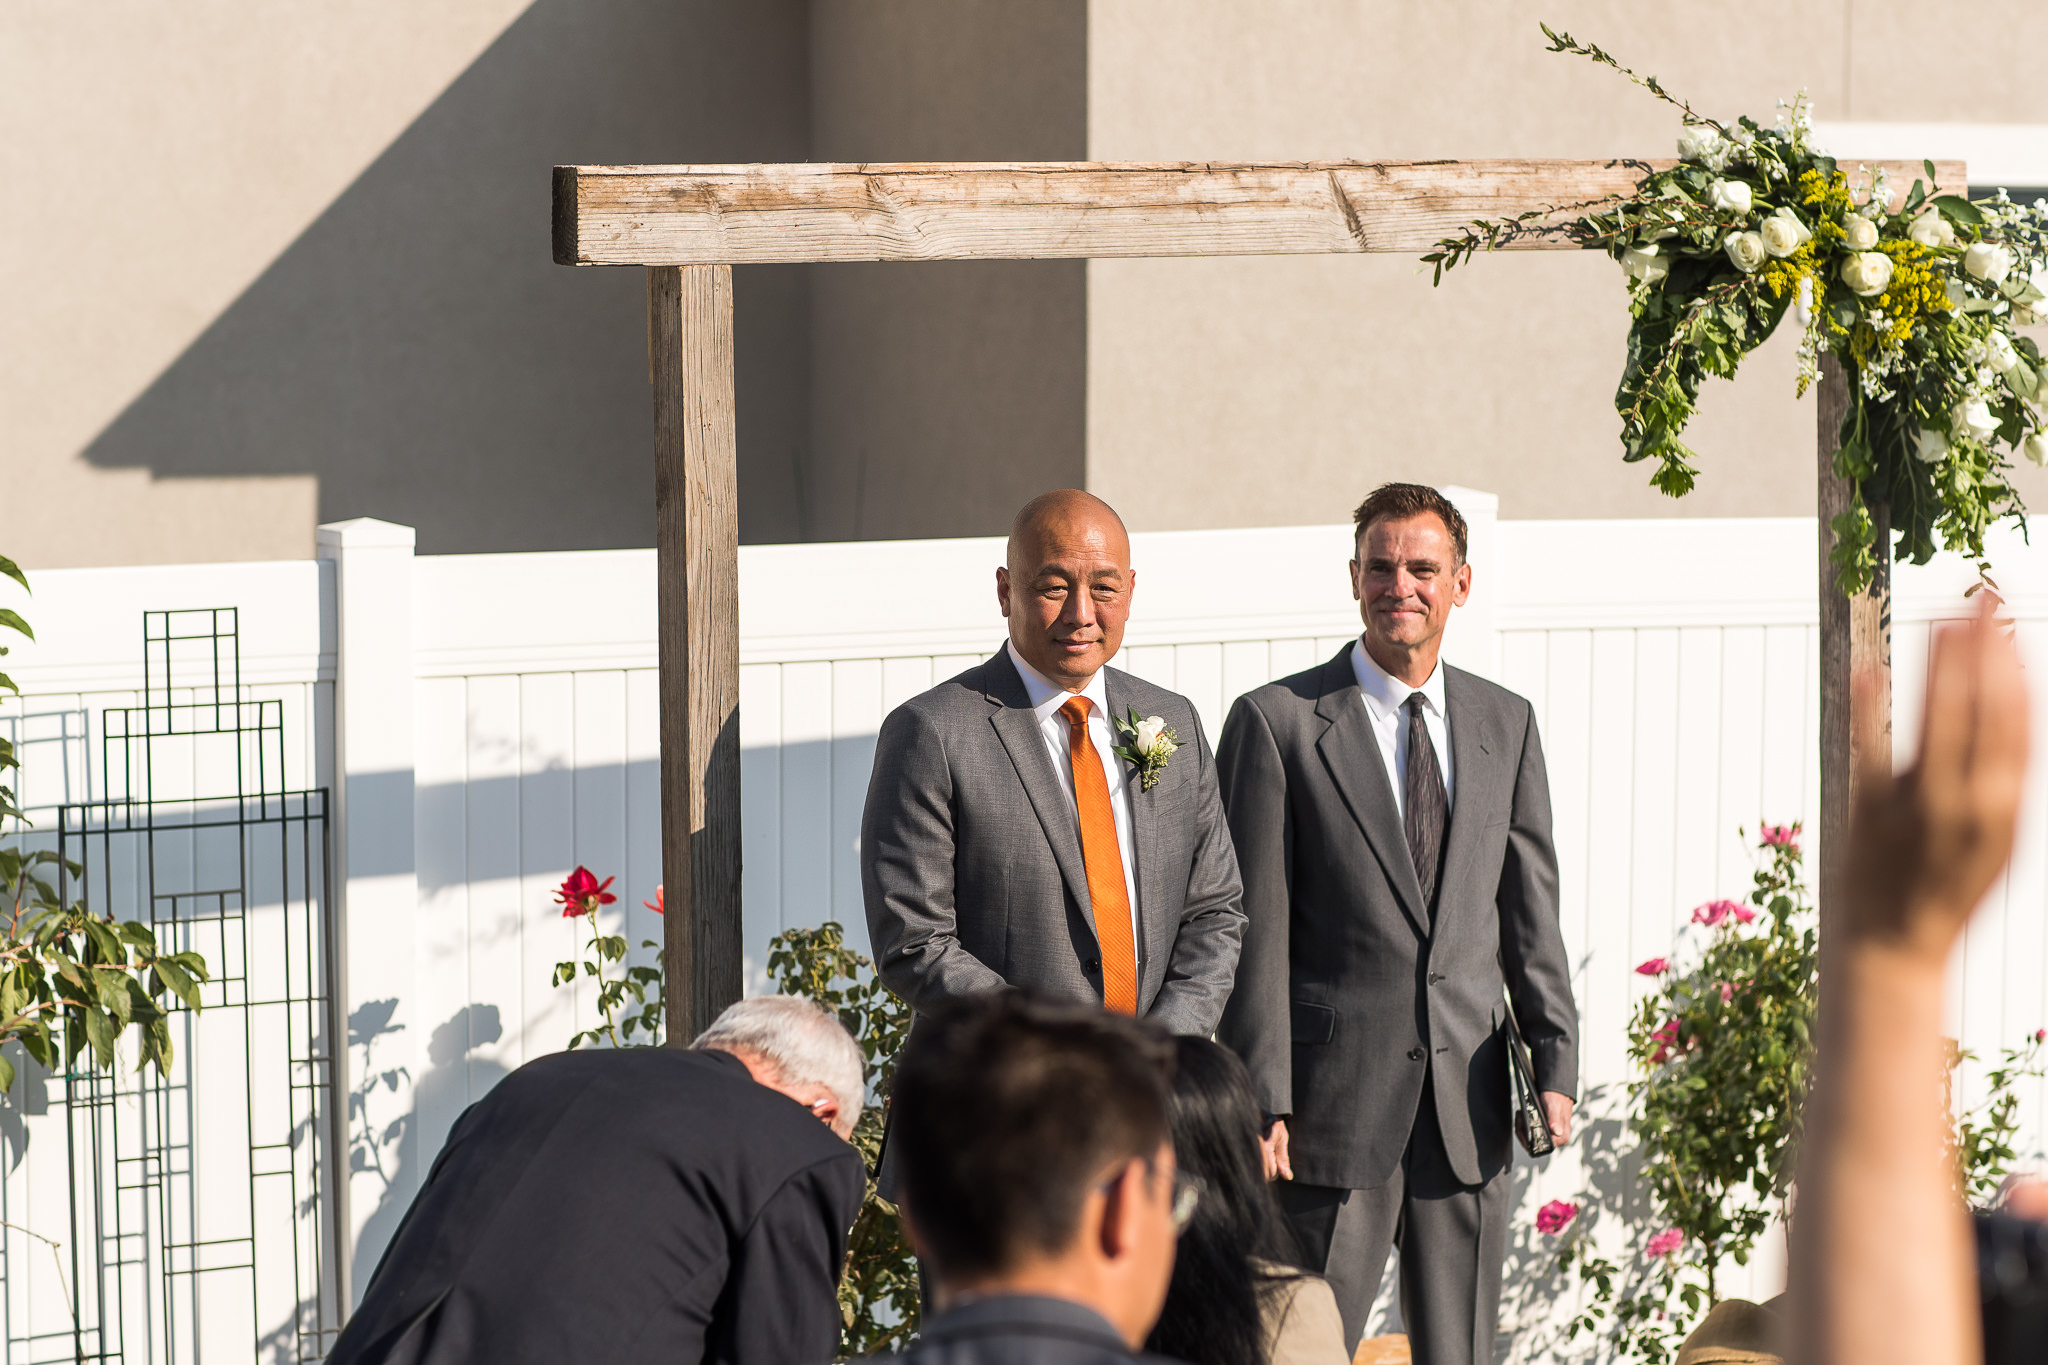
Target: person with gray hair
[638,1204]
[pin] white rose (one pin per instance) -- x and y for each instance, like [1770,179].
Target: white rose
[1730,196]
[1977,418]
[1931,445]
[1867,273]
[1999,354]
[1987,261]
[1782,233]
[1697,142]
[1931,229]
[1745,249]
[2035,447]
[1149,731]
[1858,233]
[1643,263]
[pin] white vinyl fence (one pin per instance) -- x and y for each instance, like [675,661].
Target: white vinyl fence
[488,722]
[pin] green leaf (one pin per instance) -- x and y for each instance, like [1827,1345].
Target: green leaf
[1959,210]
[13,571]
[137,934]
[99,1031]
[6,1067]
[173,975]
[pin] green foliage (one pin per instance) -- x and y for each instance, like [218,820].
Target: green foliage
[878,1296]
[1919,298]
[1722,1050]
[1984,1134]
[68,980]
[641,986]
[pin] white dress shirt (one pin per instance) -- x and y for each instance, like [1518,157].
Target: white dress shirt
[1047,697]
[1386,701]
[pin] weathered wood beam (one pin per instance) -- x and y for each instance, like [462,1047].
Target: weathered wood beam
[701,215]
[696,532]
[1855,641]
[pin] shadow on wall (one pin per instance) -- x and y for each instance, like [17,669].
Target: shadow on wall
[454,1080]
[418,351]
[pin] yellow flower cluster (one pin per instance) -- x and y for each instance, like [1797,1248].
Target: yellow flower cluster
[1915,289]
[1827,193]
[1782,275]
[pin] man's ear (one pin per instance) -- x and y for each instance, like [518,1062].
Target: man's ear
[1119,1205]
[1003,589]
[1464,577]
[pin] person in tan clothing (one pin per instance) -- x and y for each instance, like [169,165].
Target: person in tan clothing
[1234,1298]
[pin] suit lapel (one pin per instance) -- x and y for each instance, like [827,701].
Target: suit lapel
[1017,727]
[1352,754]
[1144,837]
[1479,766]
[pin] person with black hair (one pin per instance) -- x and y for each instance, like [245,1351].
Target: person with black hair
[1038,1180]
[1234,1298]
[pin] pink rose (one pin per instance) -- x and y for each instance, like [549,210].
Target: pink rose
[1727,992]
[655,905]
[1782,836]
[1665,1036]
[1713,912]
[1555,1217]
[1664,1243]
[1656,966]
[2041,1035]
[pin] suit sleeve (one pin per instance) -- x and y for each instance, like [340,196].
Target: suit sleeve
[1205,950]
[781,1299]
[1254,789]
[1532,945]
[907,839]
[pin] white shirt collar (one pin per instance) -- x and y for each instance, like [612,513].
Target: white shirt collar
[1047,696]
[1387,694]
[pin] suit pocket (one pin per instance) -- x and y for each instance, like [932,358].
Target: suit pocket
[1312,1023]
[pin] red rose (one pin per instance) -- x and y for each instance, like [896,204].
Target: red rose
[582,893]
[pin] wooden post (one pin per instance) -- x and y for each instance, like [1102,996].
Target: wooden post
[696,520]
[1855,638]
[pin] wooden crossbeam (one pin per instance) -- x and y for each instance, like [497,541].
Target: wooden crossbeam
[706,215]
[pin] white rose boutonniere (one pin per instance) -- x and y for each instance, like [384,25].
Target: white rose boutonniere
[1148,744]
[1782,233]
[1867,273]
[1745,250]
[1729,196]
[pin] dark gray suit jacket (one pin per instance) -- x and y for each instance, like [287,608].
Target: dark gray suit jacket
[971,856]
[1020,1329]
[1350,990]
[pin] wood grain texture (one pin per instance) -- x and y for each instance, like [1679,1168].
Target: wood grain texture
[1855,639]
[691,215]
[696,502]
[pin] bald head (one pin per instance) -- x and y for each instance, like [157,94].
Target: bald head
[1066,589]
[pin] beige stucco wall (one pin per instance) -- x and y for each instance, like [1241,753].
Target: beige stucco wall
[271,265]
[1277,390]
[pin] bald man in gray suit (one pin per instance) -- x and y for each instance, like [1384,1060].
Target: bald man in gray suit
[1005,842]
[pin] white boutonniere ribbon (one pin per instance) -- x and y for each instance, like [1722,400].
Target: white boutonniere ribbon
[1148,744]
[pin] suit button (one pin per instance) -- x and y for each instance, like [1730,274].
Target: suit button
[1093,964]
[1414,1054]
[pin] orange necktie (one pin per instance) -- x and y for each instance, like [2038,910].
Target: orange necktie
[1104,863]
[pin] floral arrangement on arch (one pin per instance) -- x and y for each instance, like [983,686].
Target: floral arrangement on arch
[1918,295]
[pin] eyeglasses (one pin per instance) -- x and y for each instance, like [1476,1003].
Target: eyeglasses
[1187,1197]
[1188,1189]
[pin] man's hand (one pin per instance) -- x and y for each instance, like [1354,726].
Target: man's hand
[1557,1109]
[1926,845]
[1273,1149]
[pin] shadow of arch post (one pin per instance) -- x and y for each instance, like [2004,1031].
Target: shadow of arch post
[688,225]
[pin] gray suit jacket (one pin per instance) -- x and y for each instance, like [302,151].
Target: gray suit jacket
[1351,990]
[971,856]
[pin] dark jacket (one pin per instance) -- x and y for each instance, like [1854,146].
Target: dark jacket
[1350,990]
[648,1205]
[1021,1329]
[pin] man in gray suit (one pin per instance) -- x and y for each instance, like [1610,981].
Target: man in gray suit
[1392,820]
[1005,841]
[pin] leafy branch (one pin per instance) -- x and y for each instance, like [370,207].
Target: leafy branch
[1565,43]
